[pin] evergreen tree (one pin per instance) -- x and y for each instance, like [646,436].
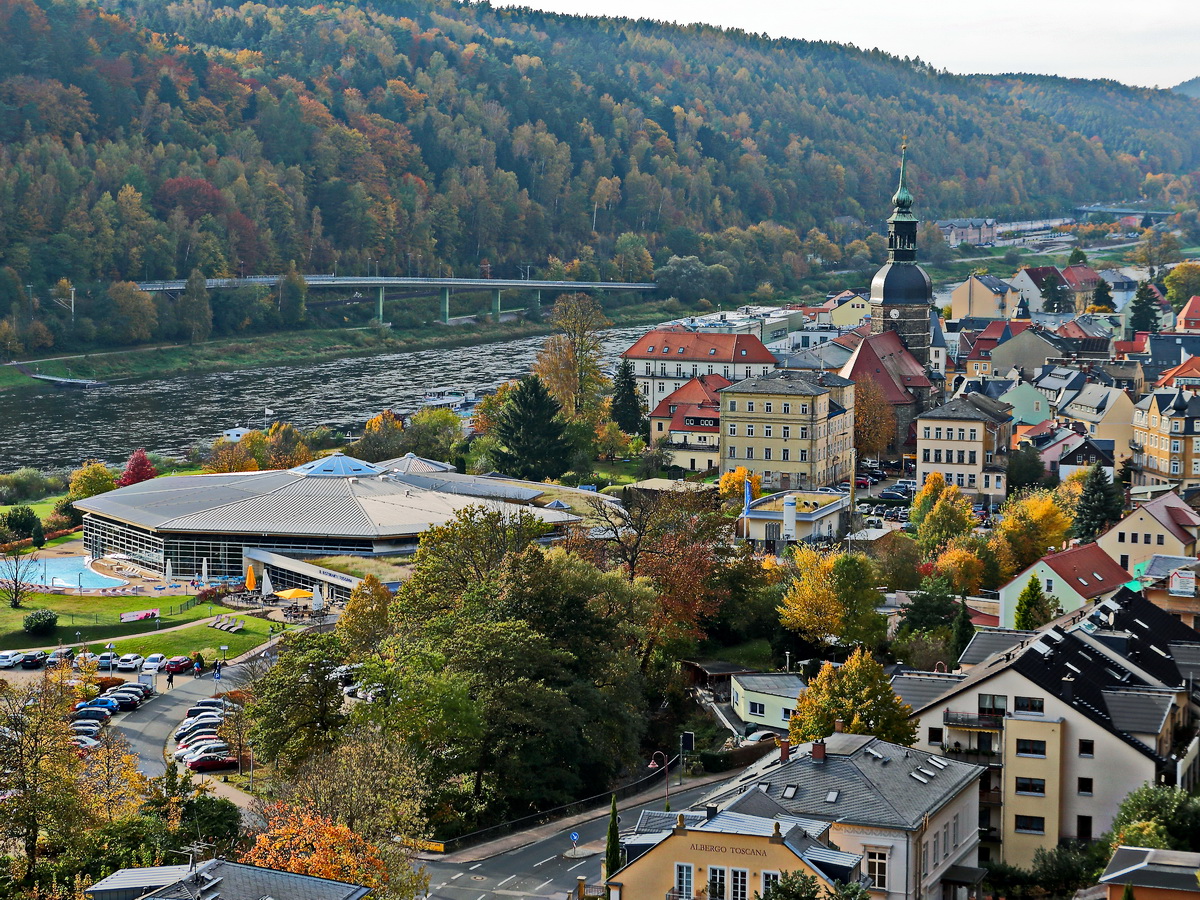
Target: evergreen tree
[1077,257]
[293,293]
[1056,297]
[530,438]
[38,535]
[964,630]
[1102,296]
[137,469]
[1034,608]
[612,850]
[1025,467]
[1099,503]
[859,694]
[1143,311]
[627,409]
[930,608]
[195,311]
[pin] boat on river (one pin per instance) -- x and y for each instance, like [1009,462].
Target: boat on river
[450,398]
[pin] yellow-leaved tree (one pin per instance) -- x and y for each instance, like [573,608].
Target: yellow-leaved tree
[859,695]
[1033,524]
[733,484]
[809,606]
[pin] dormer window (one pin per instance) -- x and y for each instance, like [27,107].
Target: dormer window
[680,349]
[712,351]
[650,349]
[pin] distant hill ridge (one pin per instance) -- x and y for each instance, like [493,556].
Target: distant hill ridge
[1191,87]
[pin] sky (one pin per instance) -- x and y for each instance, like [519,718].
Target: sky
[1148,46]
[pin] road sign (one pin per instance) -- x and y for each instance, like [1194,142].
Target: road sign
[217,675]
[574,837]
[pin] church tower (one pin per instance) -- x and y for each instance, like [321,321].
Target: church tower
[901,293]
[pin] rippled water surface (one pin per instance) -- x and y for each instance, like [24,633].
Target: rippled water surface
[55,428]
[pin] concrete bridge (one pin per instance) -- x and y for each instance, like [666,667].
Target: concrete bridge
[418,287]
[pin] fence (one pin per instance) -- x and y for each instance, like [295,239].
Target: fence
[74,618]
[598,802]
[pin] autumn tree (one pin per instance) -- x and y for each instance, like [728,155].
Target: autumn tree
[137,469]
[529,435]
[303,842]
[487,410]
[858,693]
[285,447]
[611,441]
[1155,250]
[732,485]
[195,311]
[931,608]
[950,517]
[364,622]
[382,438]
[569,363]
[926,497]
[115,787]
[897,559]
[628,406]
[1034,608]
[230,456]
[293,294]
[874,420]
[134,315]
[961,567]
[1033,525]
[92,478]
[832,599]
[431,433]
[1182,283]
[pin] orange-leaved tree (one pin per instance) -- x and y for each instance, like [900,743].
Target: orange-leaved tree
[300,841]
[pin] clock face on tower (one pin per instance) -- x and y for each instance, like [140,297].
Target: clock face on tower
[895,313]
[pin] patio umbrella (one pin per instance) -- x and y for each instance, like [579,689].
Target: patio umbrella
[318,598]
[204,570]
[168,575]
[267,590]
[251,584]
[293,593]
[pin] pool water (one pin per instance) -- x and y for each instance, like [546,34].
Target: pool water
[70,571]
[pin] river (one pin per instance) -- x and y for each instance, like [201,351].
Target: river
[53,428]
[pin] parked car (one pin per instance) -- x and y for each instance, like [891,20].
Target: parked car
[177,664]
[907,484]
[200,738]
[217,703]
[102,702]
[82,658]
[91,714]
[893,495]
[84,742]
[125,702]
[875,522]
[59,657]
[11,658]
[136,687]
[154,662]
[192,727]
[827,490]
[34,659]
[212,761]
[130,662]
[85,727]
[106,661]
[200,747]
[862,481]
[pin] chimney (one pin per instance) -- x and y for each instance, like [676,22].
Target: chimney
[818,751]
[710,813]
[838,726]
[785,749]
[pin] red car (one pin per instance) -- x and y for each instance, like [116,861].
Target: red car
[177,664]
[209,762]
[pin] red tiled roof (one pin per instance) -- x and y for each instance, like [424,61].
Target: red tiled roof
[692,346]
[1174,515]
[852,338]
[1191,310]
[994,330]
[983,348]
[1088,570]
[1081,278]
[982,619]
[884,358]
[1190,367]
[697,391]
[1039,274]
[1071,330]
[1137,345]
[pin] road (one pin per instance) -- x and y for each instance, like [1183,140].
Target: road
[148,727]
[540,869]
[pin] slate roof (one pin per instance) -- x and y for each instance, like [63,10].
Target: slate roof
[918,688]
[974,407]
[1173,870]
[994,388]
[987,642]
[777,684]
[1139,712]
[678,343]
[994,284]
[1161,565]
[1090,397]
[220,879]
[871,782]
[1039,274]
[789,381]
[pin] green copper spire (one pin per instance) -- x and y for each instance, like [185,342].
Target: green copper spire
[903,198]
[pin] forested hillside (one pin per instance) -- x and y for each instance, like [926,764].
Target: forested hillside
[147,139]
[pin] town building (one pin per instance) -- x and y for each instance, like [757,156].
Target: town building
[766,699]
[984,296]
[1122,286]
[1165,439]
[1082,281]
[273,520]
[667,358]
[1074,577]
[850,309]
[1030,282]
[907,385]
[1028,350]
[1029,406]
[1150,874]
[219,879]
[1087,453]
[794,428]
[1169,582]
[689,420]
[1105,413]
[1163,525]
[939,355]
[1188,320]
[909,813]
[968,231]
[774,522]
[1186,375]
[967,440]
[726,855]
[1053,717]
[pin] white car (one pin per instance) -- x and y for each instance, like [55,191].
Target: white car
[154,662]
[85,743]
[201,750]
[130,662]
[11,658]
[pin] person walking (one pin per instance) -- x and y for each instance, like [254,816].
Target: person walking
[196,669]
[170,680]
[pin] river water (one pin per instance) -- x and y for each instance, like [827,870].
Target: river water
[54,428]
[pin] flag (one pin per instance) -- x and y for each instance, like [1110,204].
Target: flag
[270,412]
[748,492]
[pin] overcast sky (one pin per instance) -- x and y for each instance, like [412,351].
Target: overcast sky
[1150,45]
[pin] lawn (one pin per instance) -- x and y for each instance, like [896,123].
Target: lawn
[93,618]
[755,654]
[199,638]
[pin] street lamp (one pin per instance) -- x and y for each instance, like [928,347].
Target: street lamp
[666,777]
[78,637]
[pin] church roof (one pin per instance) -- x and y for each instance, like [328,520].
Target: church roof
[883,358]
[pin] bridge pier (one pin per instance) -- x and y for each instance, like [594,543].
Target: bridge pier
[537,303]
[445,306]
[496,305]
[379,316]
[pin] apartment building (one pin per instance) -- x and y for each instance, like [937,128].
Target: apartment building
[967,440]
[1074,577]
[1166,439]
[1106,413]
[1054,716]
[689,419]
[1165,525]
[667,358]
[795,428]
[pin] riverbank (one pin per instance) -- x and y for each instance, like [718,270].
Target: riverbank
[295,347]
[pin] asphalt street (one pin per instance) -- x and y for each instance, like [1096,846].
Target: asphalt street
[541,869]
[148,727]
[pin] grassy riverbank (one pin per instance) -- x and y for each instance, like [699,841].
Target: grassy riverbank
[297,347]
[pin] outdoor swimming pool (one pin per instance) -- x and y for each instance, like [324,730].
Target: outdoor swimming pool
[70,572]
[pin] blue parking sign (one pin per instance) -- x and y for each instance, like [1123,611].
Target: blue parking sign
[217,675]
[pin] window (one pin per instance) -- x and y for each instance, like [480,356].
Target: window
[769,880]
[925,433]
[1133,537]
[757,709]
[1049,585]
[974,434]
[937,433]
[877,868]
[1085,787]
[937,456]
[956,829]
[716,882]
[1083,828]
[732,429]
[935,735]
[739,884]
[1087,748]
[787,715]
[925,857]
[749,453]
[1027,747]
[962,434]
[1031,786]
[733,406]
[992,704]
[971,457]
[787,409]
[962,458]
[749,406]
[660,424]
[803,456]
[925,455]
[767,407]
[804,409]
[787,432]
[1031,824]
[1120,537]
[767,430]
[1035,705]
[803,432]
[749,431]
[731,453]
[1124,562]
[683,879]
[786,454]
[945,840]
[1159,539]
[937,844]
[766,453]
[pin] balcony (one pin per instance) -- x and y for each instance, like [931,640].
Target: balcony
[992,796]
[974,721]
[990,833]
[972,754]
